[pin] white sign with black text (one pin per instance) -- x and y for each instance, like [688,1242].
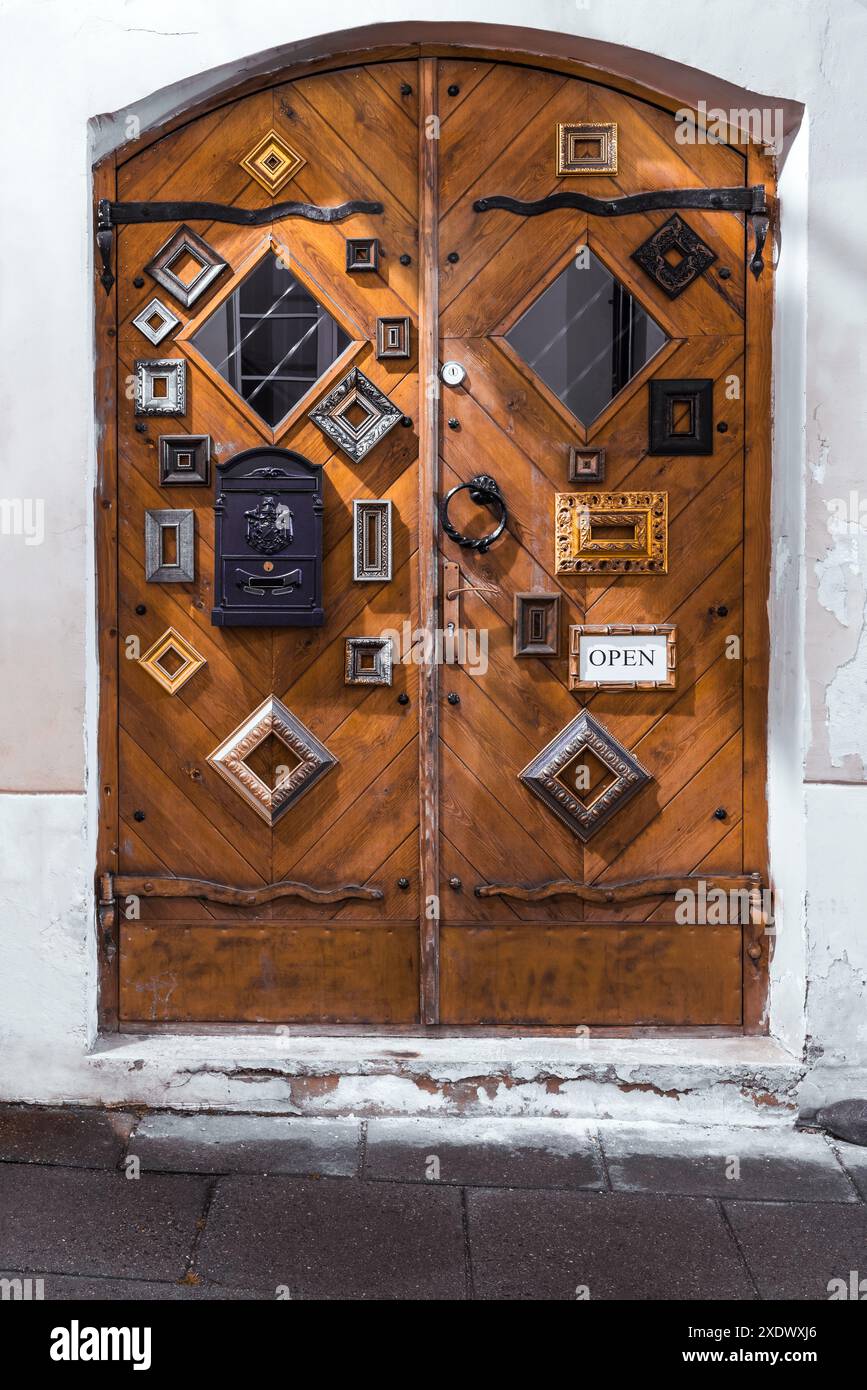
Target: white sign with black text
[623,656]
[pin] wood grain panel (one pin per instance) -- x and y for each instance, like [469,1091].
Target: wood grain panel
[591,975]
[176,973]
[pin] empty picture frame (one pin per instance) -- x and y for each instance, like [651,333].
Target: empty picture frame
[611,533]
[371,539]
[183,248]
[161,387]
[362,253]
[537,624]
[392,337]
[185,460]
[585,147]
[681,416]
[368,661]
[170,550]
[586,465]
[186,661]
[155,321]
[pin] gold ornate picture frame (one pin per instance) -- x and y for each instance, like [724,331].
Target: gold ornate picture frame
[573,139]
[611,533]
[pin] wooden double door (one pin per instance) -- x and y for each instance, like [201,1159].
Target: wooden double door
[428,871]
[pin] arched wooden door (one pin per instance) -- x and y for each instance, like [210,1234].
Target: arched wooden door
[308,818]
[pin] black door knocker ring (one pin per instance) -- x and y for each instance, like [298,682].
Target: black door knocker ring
[484,490]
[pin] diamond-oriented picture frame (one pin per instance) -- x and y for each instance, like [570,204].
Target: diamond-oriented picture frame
[156,321]
[379,415]
[272,162]
[552,776]
[185,243]
[190,661]
[674,276]
[313,759]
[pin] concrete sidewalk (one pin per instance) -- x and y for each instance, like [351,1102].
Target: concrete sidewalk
[109,1205]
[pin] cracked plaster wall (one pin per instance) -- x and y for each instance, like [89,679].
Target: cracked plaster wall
[63,61]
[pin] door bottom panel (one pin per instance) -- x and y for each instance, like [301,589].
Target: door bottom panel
[594,975]
[314,974]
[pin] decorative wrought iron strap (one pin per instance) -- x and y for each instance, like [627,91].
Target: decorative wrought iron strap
[152,886]
[111,215]
[752,201]
[630,890]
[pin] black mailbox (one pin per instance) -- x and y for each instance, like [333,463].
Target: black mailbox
[268,541]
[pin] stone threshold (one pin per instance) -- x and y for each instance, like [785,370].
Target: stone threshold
[751,1081]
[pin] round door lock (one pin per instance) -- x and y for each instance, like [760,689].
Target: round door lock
[454,424]
[454,698]
[140,609]
[453,257]
[721,813]
[455,882]
[405,89]
[403,698]
[403,884]
[406,259]
[453,89]
[138,815]
[452,373]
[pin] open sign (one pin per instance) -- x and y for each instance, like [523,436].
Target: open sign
[629,657]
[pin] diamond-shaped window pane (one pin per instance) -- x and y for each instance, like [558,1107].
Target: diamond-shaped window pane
[586,337]
[270,340]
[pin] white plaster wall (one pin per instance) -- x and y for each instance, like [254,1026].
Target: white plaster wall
[63,62]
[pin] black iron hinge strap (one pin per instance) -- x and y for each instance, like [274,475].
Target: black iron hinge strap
[110,215]
[753,201]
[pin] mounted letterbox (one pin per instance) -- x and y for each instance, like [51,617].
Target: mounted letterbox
[268,541]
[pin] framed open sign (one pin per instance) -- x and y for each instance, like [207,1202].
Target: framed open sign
[622,656]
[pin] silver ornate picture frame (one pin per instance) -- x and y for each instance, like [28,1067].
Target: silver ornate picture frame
[554,775]
[368,661]
[312,759]
[161,386]
[379,415]
[185,242]
[371,539]
[155,321]
[182,568]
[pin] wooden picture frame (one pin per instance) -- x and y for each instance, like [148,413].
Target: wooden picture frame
[537,624]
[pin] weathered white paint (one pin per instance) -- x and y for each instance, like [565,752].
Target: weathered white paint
[66,60]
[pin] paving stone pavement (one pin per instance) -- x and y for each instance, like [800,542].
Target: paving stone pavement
[118,1206]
